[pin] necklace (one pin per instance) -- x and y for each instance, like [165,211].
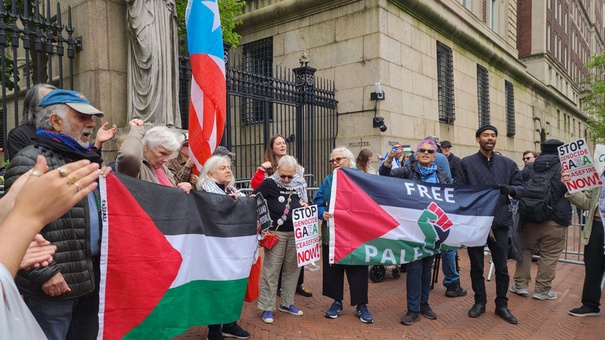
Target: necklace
[284,217]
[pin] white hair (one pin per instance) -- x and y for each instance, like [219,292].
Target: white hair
[161,136]
[211,165]
[348,154]
[43,116]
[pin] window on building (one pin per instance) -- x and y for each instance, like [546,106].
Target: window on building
[548,37]
[258,61]
[445,83]
[492,12]
[466,3]
[483,95]
[510,108]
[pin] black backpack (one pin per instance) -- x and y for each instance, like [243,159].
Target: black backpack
[536,205]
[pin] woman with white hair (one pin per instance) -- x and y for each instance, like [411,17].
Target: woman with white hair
[284,191]
[334,274]
[216,177]
[143,154]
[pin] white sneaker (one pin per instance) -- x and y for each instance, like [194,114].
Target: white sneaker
[545,295]
[519,291]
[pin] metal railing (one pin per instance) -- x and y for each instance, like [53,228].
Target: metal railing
[33,44]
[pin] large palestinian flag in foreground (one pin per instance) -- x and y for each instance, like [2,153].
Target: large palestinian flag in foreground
[386,220]
[169,260]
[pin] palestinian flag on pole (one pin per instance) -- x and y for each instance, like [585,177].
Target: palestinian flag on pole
[386,220]
[170,261]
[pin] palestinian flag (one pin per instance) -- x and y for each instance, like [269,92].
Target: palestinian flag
[387,220]
[170,261]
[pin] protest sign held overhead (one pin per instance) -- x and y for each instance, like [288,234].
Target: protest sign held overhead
[576,160]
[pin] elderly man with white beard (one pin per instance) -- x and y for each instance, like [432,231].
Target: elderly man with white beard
[64,296]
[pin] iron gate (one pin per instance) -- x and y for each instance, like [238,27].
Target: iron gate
[292,103]
[33,45]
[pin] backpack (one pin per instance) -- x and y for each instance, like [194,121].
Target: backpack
[536,205]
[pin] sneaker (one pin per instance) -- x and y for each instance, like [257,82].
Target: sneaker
[267,316]
[454,290]
[335,310]
[584,311]
[233,330]
[292,310]
[215,336]
[409,318]
[427,312]
[519,291]
[364,314]
[301,290]
[545,295]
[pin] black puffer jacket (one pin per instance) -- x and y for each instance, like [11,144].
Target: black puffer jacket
[562,210]
[410,171]
[70,233]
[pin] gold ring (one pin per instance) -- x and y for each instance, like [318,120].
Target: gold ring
[62,172]
[71,180]
[35,173]
[77,186]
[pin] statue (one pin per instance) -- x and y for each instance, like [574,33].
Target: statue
[153,62]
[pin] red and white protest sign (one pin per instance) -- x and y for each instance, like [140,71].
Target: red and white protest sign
[576,160]
[306,234]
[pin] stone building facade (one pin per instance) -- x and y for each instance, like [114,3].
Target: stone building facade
[446,67]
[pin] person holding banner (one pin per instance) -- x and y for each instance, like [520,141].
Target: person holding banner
[285,190]
[418,280]
[593,201]
[488,168]
[216,177]
[333,274]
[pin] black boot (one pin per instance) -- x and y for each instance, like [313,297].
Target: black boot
[454,290]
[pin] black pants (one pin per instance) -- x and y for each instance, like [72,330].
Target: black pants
[333,280]
[499,252]
[594,265]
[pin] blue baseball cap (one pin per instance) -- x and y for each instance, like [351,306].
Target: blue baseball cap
[73,99]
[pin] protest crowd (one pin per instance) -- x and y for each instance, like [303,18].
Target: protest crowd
[52,223]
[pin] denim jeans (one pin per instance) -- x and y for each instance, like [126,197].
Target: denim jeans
[448,265]
[418,283]
[67,319]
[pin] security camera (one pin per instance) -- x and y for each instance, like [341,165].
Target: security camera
[378,93]
[378,122]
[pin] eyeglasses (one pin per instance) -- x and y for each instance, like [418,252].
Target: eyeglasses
[337,159]
[426,150]
[286,176]
[527,158]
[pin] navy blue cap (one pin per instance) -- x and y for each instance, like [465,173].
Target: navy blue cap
[73,99]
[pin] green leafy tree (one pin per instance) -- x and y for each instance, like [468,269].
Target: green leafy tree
[228,9]
[594,99]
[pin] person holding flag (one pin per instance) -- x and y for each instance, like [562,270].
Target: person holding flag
[421,168]
[334,274]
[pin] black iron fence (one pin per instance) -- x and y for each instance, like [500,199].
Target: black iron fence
[34,40]
[292,103]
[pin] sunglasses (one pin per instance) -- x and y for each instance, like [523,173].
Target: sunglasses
[426,150]
[527,158]
[286,176]
[337,159]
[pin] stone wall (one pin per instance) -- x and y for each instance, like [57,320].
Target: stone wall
[358,43]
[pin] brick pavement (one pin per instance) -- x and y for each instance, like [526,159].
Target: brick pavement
[537,319]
